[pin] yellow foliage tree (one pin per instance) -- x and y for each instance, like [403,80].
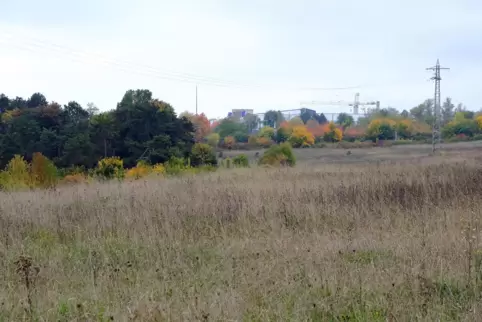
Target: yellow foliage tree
[404,128]
[266,132]
[333,134]
[478,119]
[16,174]
[382,128]
[301,137]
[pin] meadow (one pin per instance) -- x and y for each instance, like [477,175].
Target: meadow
[393,240]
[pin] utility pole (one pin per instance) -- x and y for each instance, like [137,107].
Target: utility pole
[196,99]
[436,136]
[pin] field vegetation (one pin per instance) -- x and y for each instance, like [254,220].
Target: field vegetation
[394,241]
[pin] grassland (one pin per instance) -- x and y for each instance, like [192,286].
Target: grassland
[326,241]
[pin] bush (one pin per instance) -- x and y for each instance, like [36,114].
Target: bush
[109,168]
[279,155]
[466,127]
[253,140]
[175,166]
[158,169]
[265,142]
[141,170]
[241,161]
[203,154]
[74,179]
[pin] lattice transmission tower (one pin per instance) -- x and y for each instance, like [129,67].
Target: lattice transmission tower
[437,118]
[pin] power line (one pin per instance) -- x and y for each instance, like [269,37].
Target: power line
[436,126]
[151,71]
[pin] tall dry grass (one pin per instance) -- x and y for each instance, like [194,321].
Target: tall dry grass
[386,242]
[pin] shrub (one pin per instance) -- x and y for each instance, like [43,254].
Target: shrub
[158,169]
[203,154]
[175,165]
[278,155]
[74,179]
[252,140]
[264,142]
[464,126]
[241,161]
[141,170]
[109,168]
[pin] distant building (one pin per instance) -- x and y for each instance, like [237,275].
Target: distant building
[239,114]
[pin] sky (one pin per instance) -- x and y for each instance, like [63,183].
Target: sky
[261,55]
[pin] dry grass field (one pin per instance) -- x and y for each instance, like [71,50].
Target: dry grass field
[357,242]
[317,156]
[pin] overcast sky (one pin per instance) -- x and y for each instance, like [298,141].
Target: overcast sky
[261,54]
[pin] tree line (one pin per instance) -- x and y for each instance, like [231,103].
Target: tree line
[139,128]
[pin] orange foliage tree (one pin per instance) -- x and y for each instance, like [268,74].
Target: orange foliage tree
[202,126]
[353,133]
[317,129]
[43,171]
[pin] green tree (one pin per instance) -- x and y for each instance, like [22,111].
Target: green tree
[37,100]
[447,111]
[345,120]
[228,127]
[423,112]
[150,128]
[282,135]
[251,121]
[273,118]
[103,129]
